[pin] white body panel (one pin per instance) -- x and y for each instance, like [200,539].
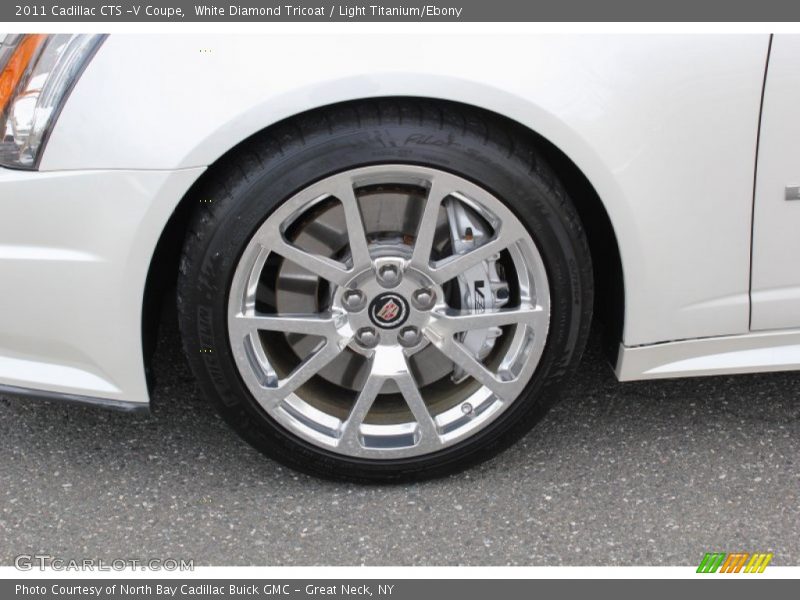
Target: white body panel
[75,247]
[664,127]
[776,224]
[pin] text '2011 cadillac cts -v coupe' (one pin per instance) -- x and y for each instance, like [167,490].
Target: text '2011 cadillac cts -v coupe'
[387,251]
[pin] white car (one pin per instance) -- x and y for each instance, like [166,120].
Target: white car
[389,249]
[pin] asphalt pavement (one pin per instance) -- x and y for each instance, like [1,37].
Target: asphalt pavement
[646,473]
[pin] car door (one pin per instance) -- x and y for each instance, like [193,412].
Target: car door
[775,289]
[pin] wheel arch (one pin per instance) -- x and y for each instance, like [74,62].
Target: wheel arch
[601,233]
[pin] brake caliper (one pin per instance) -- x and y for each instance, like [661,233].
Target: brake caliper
[481,288]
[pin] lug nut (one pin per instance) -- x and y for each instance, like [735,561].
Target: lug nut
[409,337]
[353,300]
[423,299]
[367,337]
[389,275]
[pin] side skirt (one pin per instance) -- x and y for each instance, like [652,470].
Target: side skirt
[755,352]
[117,405]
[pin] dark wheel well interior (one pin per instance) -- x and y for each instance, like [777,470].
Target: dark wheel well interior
[609,284]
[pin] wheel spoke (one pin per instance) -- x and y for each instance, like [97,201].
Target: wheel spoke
[322,325]
[319,265]
[429,435]
[350,428]
[505,390]
[355,225]
[307,369]
[423,244]
[452,322]
[450,267]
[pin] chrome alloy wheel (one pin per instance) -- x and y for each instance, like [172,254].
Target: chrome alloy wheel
[388,311]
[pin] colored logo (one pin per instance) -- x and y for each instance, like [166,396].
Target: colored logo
[735,562]
[388,310]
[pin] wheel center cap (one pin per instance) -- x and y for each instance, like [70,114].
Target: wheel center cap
[388,310]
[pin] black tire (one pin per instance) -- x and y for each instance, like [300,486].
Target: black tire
[240,191]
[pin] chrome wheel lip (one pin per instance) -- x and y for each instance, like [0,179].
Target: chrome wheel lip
[389,361]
